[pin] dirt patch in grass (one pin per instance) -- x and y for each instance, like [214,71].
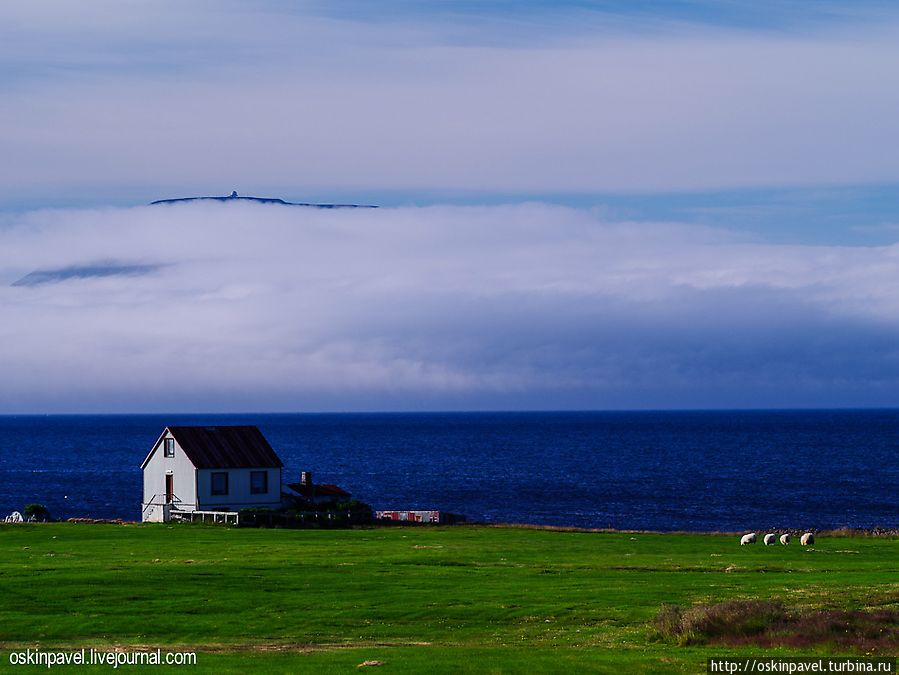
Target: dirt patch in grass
[768,623]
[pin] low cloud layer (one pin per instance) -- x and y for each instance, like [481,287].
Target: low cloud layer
[97,270]
[262,307]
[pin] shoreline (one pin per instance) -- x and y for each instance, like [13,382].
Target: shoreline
[872,532]
[829,532]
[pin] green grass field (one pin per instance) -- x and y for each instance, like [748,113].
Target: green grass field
[436,600]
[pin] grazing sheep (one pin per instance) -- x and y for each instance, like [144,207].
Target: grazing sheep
[748,539]
[807,539]
[785,539]
[769,539]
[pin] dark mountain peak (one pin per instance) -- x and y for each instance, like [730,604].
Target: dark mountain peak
[261,200]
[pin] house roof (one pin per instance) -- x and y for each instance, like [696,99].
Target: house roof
[231,447]
[324,490]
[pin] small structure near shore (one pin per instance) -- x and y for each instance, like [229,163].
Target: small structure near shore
[324,493]
[207,472]
[421,517]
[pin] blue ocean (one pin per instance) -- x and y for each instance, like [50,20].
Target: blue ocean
[634,470]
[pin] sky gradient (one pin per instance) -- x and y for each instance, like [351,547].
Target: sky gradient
[585,205]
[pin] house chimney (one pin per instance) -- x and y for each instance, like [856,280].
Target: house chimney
[305,478]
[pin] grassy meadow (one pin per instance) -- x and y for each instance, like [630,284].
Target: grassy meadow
[442,599]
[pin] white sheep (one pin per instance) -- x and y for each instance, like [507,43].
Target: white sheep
[747,539]
[785,539]
[807,539]
[769,539]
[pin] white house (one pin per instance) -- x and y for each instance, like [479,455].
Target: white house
[218,469]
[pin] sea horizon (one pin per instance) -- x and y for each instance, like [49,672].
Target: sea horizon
[462,411]
[708,470]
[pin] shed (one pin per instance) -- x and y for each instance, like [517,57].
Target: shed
[323,493]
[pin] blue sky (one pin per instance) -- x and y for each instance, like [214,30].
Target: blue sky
[780,15]
[771,117]
[685,204]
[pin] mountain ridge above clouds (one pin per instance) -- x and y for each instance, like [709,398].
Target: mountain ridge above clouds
[260,200]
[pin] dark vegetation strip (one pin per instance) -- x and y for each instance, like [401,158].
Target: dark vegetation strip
[768,623]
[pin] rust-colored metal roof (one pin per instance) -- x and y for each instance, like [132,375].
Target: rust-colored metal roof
[226,447]
[324,490]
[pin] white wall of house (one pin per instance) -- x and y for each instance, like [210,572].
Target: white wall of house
[184,482]
[239,495]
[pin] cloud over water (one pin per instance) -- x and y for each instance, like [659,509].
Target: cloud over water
[262,307]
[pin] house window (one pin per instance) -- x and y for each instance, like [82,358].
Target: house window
[220,483]
[169,447]
[258,482]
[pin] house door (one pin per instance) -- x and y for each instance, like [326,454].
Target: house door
[169,491]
